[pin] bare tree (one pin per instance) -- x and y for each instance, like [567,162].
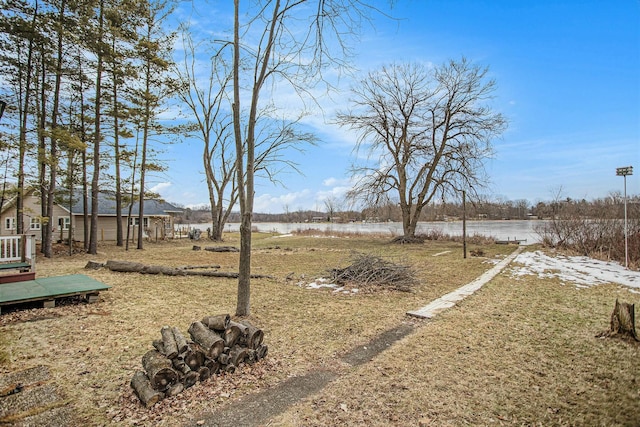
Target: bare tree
[426,131]
[285,42]
[205,98]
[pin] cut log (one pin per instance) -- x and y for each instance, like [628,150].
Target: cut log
[190,379]
[623,320]
[213,366]
[157,344]
[203,373]
[194,356]
[229,369]
[159,370]
[231,335]
[175,390]
[218,323]
[181,341]
[252,356]
[253,336]
[181,366]
[209,340]
[169,342]
[262,351]
[224,359]
[237,355]
[124,266]
[144,390]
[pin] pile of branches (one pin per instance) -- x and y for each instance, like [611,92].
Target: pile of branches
[370,272]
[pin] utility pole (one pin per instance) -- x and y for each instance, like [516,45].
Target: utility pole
[464,223]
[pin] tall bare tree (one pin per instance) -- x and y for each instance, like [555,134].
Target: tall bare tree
[426,131]
[205,96]
[285,43]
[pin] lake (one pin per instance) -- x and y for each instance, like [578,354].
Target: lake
[500,230]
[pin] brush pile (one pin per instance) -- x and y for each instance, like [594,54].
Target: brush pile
[217,344]
[370,272]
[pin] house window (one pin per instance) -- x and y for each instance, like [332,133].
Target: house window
[136,221]
[10,223]
[34,224]
[64,222]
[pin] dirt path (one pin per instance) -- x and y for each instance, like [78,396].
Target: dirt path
[256,409]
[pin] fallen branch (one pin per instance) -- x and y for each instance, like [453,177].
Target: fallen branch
[221,249]
[136,267]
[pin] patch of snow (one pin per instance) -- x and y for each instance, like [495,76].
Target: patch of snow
[579,270]
[323,282]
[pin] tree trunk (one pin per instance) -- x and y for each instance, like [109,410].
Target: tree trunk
[142,386]
[159,369]
[124,266]
[623,320]
[209,340]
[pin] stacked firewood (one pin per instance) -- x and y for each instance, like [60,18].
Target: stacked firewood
[217,344]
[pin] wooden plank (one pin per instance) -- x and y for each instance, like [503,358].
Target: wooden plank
[17,277]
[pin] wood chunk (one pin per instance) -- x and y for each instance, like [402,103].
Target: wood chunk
[144,390]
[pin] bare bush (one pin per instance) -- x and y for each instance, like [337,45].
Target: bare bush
[600,235]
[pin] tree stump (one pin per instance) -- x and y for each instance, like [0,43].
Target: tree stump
[623,320]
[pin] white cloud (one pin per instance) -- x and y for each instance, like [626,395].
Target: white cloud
[161,187]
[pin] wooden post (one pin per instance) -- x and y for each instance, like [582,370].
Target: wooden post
[23,247]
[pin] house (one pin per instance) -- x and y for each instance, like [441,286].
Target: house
[158,220]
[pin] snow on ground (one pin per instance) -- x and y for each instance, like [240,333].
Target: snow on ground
[579,270]
[321,282]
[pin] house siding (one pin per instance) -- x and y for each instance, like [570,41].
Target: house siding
[159,227]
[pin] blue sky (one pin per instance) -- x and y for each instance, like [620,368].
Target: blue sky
[568,77]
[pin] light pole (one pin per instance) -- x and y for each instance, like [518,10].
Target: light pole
[627,170]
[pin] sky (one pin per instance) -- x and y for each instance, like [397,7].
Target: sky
[568,82]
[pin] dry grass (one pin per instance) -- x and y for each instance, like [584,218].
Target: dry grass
[519,352]
[523,350]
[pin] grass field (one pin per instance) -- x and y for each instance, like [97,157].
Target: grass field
[520,351]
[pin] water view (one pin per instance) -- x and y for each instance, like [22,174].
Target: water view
[500,230]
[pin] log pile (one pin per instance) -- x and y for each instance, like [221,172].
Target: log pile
[217,345]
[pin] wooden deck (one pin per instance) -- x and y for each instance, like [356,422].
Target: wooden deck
[47,289]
